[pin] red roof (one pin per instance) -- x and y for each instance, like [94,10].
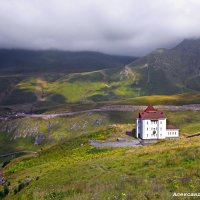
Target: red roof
[170,126]
[151,113]
[150,109]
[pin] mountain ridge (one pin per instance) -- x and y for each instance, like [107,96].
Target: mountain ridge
[19,60]
[162,72]
[179,66]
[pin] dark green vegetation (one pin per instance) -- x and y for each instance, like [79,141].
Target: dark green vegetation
[170,71]
[105,86]
[72,169]
[88,87]
[26,61]
[172,75]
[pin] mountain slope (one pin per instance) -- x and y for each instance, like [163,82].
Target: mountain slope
[102,85]
[170,71]
[55,60]
[116,86]
[162,72]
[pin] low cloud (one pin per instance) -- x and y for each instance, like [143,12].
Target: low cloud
[131,27]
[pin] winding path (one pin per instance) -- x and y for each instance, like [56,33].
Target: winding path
[121,108]
[18,152]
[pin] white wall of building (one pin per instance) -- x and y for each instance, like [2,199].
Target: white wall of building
[154,129]
[172,133]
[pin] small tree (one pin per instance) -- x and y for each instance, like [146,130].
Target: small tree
[5,190]
[1,194]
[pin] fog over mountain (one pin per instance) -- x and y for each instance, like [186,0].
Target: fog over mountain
[131,27]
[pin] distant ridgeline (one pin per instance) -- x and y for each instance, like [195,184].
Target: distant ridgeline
[102,77]
[15,60]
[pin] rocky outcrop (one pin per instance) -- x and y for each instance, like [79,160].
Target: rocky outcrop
[2,180]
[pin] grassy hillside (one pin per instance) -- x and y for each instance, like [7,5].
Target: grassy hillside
[161,74]
[145,173]
[70,88]
[112,85]
[170,71]
[67,167]
[75,171]
[177,99]
[19,134]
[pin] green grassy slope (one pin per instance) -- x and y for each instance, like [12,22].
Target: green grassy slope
[71,171]
[177,99]
[79,87]
[67,167]
[18,134]
[162,72]
[120,84]
[170,71]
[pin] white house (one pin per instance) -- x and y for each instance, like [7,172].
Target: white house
[151,124]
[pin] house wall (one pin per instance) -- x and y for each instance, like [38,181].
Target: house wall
[137,127]
[172,133]
[162,128]
[146,127]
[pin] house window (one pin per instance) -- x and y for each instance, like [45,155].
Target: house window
[147,129]
[147,135]
[160,122]
[161,129]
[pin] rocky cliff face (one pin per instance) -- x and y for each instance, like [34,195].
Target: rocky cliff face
[53,129]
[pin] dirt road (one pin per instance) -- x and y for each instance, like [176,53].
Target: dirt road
[121,108]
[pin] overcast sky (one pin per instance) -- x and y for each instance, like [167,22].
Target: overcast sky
[132,27]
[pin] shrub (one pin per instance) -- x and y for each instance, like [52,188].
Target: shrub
[20,186]
[4,192]
[1,194]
